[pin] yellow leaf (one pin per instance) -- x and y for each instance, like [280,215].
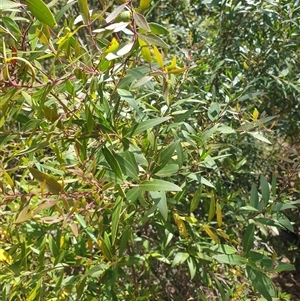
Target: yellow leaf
[210,234]
[144,4]
[9,179]
[145,50]
[226,236]
[189,219]
[255,114]
[180,225]
[42,37]
[5,257]
[177,70]
[219,214]
[113,46]
[245,65]
[158,57]
[51,184]
[212,207]
[173,64]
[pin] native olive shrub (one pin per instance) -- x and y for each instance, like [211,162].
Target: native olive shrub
[118,164]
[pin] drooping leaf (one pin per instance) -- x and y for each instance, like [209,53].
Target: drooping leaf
[261,283]
[51,184]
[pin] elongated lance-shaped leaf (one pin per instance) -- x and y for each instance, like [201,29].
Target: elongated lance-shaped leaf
[41,11]
[160,200]
[158,185]
[51,184]
[116,218]
[112,162]
[145,125]
[248,238]
[84,11]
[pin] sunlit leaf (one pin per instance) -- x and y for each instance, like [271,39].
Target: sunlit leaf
[52,185]
[158,185]
[248,238]
[141,21]
[116,218]
[5,257]
[41,11]
[145,125]
[159,198]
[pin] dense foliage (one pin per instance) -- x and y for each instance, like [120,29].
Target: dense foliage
[141,148]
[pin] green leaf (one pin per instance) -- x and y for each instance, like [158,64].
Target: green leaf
[127,167]
[141,21]
[248,238]
[84,11]
[213,111]
[145,125]
[116,218]
[52,185]
[165,156]
[192,267]
[196,199]
[133,194]
[230,259]
[254,197]
[285,222]
[8,5]
[158,29]
[11,24]
[41,11]
[158,185]
[283,267]
[259,137]
[112,162]
[226,249]
[160,200]
[152,39]
[167,171]
[261,283]
[265,190]
[82,222]
[180,258]
[126,236]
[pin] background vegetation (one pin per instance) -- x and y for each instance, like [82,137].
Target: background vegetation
[149,150]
